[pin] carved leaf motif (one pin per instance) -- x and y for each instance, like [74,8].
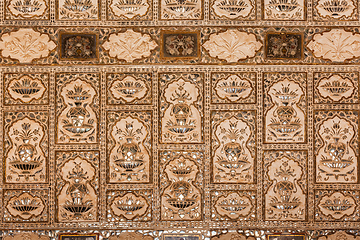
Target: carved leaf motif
[129,45]
[335,88]
[26,89]
[337,205]
[129,89]
[232,9]
[129,9]
[335,8]
[233,205]
[232,45]
[339,235]
[232,236]
[25,206]
[129,206]
[26,235]
[131,236]
[27,8]
[26,45]
[233,88]
[336,45]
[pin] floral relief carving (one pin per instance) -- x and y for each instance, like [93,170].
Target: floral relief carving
[285,199]
[338,235]
[181,199]
[336,45]
[25,206]
[26,89]
[77,200]
[27,8]
[129,89]
[337,205]
[336,160]
[77,122]
[129,9]
[232,161]
[129,206]
[232,236]
[233,88]
[129,158]
[176,9]
[181,122]
[131,236]
[233,205]
[26,159]
[78,9]
[232,9]
[26,235]
[232,45]
[284,10]
[335,9]
[335,88]
[285,120]
[25,45]
[129,45]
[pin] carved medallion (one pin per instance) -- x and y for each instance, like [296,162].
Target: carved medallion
[78,9]
[129,89]
[336,160]
[129,157]
[233,88]
[285,120]
[26,160]
[129,206]
[181,121]
[335,88]
[232,161]
[77,200]
[337,205]
[285,199]
[25,206]
[181,199]
[77,122]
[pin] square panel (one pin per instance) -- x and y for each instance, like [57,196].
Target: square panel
[180,45]
[280,45]
[78,46]
[32,88]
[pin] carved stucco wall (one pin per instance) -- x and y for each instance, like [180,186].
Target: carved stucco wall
[232,119]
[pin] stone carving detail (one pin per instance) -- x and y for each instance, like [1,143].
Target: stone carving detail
[285,199]
[26,160]
[129,89]
[185,9]
[281,45]
[232,9]
[284,9]
[233,205]
[337,205]
[77,200]
[181,122]
[336,45]
[336,160]
[129,206]
[181,199]
[129,158]
[77,122]
[78,10]
[336,88]
[26,89]
[26,235]
[285,120]
[131,236]
[232,236]
[233,88]
[339,235]
[27,8]
[129,45]
[232,160]
[25,206]
[232,45]
[335,9]
[25,45]
[129,8]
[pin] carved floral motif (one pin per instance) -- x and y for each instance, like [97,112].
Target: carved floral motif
[26,89]
[26,235]
[336,160]
[129,206]
[284,9]
[339,235]
[25,206]
[337,205]
[129,45]
[129,8]
[129,89]
[131,236]
[26,45]
[27,8]
[78,9]
[336,45]
[232,9]
[232,45]
[285,199]
[181,9]
[233,205]
[233,88]
[336,88]
[232,236]
[335,9]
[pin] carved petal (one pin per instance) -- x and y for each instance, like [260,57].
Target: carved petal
[232,45]
[129,45]
[336,45]
[26,45]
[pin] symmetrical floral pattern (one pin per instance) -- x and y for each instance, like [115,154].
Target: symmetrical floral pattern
[185,9]
[232,9]
[28,9]
[284,9]
[78,9]
[26,89]
[129,206]
[336,45]
[335,9]
[25,45]
[129,8]
[232,45]
[129,45]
